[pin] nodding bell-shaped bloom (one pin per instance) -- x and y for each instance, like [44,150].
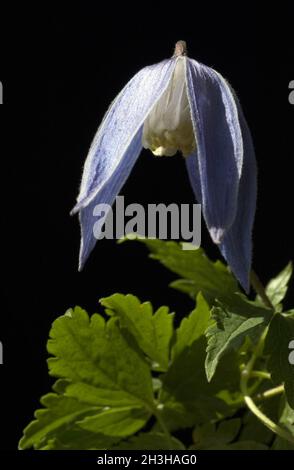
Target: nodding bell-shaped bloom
[179,105]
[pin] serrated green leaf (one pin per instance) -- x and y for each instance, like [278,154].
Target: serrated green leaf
[231,327]
[121,422]
[60,386]
[277,347]
[97,364]
[192,327]
[199,273]
[152,331]
[59,413]
[102,361]
[277,287]
[75,438]
[150,441]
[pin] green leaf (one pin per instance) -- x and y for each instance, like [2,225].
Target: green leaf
[76,438]
[286,420]
[150,441]
[277,346]
[212,437]
[277,288]
[115,422]
[184,412]
[104,396]
[199,273]
[186,396]
[97,364]
[231,327]
[192,327]
[103,362]
[226,380]
[59,413]
[152,332]
[254,429]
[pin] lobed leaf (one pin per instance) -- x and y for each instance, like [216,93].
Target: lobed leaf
[198,273]
[152,331]
[231,327]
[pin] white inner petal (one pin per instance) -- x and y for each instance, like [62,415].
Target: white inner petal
[168,128]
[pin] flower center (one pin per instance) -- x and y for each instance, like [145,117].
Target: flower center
[168,128]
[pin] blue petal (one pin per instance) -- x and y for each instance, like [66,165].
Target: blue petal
[106,196]
[219,150]
[117,145]
[216,234]
[121,123]
[237,244]
[236,247]
[194,175]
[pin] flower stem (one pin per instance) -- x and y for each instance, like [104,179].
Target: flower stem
[259,289]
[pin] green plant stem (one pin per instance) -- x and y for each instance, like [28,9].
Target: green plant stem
[247,373]
[260,290]
[260,415]
[270,393]
[245,376]
[261,374]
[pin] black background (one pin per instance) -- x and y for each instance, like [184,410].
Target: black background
[60,71]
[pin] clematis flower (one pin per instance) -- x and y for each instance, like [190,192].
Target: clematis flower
[179,105]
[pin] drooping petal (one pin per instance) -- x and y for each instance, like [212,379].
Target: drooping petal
[219,143]
[106,196]
[121,123]
[237,244]
[117,145]
[236,247]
